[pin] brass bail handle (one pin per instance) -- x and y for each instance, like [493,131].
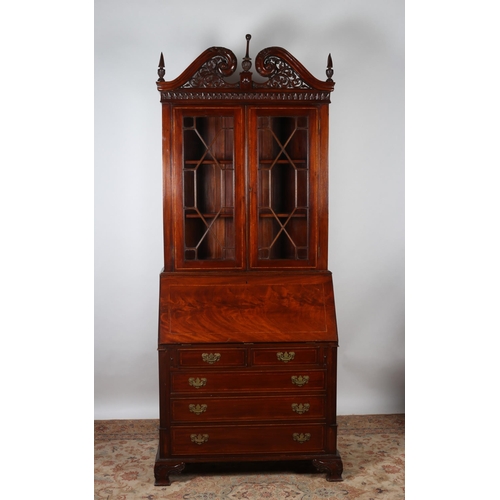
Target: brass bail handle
[197,409]
[300,408]
[197,382]
[300,380]
[210,358]
[285,356]
[199,438]
[301,437]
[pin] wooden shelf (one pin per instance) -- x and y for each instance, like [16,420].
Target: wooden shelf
[209,216]
[208,162]
[270,162]
[283,215]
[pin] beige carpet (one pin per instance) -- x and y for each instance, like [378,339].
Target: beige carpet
[371,446]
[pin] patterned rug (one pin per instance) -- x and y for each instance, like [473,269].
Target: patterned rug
[371,446]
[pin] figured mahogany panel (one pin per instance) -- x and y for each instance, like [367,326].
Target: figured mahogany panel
[247,307]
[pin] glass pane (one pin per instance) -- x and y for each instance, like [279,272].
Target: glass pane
[208,185]
[283,187]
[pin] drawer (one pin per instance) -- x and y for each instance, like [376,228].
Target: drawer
[250,408]
[247,381]
[211,357]
[286,357]
[242,440]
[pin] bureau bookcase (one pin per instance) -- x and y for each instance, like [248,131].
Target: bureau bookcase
[247,330]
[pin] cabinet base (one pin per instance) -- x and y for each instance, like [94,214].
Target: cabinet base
[164,467]
[332,466]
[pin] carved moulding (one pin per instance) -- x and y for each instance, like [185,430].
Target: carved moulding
[245,96]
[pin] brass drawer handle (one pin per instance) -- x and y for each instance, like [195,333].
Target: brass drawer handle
[301,438]
[197,382]
[301,408]
[197,409]
[199,438]
[285,356]
[210,358]
[300,380]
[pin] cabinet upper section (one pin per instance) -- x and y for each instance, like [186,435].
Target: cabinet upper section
[245,164]
[212,77]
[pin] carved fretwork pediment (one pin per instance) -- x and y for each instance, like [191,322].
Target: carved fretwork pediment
[283,75]
[272,63]
[211,74]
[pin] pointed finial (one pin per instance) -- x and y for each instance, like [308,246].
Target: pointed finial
[161,69]
[329,68]
[246,64]
[248,37]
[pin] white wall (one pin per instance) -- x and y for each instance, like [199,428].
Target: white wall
[366,40]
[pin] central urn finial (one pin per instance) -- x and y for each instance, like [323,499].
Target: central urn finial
[246,64]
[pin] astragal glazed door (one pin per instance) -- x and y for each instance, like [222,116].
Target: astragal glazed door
[209,172]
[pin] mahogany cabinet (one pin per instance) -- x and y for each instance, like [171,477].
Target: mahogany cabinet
[247,331]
